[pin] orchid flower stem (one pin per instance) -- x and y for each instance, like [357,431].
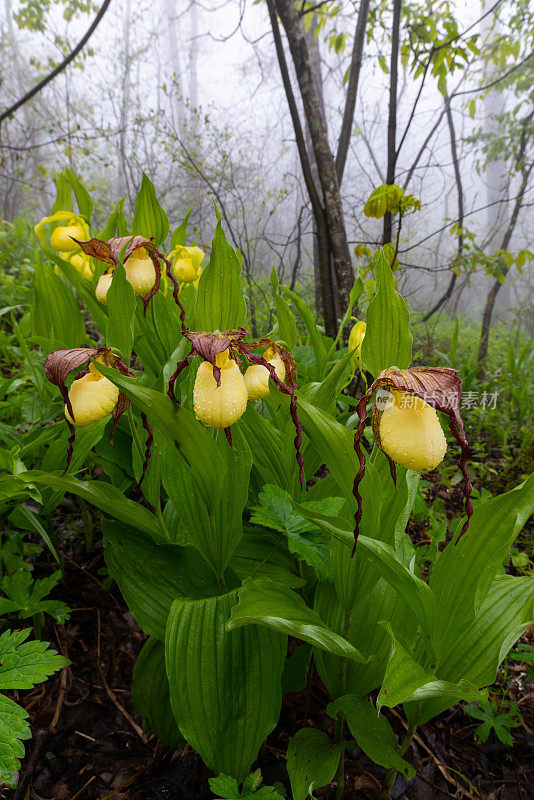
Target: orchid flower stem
[135,435]
[340,720]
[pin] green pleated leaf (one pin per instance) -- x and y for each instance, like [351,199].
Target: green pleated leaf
[466,570]
[265,443]
[225,687]
[149,218]
[151,695]
[178,236]
[55,316]
[116,224]
[83,198]
[407,681]
[264,602]
[102,495]
[316,337]
[287,327]
[63,200]
[151,576]
[483,643]
[412,589]
[220,302]
[121,304]
[312,761]
[372,732]
[194,441]
[387,341]
[82,286]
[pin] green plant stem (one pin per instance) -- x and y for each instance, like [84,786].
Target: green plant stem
[340,721]
[391,774]
[135,435]
[157,508]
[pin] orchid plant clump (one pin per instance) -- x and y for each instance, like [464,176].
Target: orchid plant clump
[230,543]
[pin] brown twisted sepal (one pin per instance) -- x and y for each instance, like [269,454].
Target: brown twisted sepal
[110,251]
[441,388]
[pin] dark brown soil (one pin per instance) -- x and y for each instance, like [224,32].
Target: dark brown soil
[87,741]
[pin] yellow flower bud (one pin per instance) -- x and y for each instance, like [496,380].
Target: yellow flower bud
[257,376]
[61,238]
[356,337]
[219,406]
[410,433]
[184,270]
[92,397]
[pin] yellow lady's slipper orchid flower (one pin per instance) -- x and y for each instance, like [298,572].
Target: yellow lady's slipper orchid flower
[184,270]
[92,397]
[187,261]
[62,237]
[407,428]
[411,434]
[220,406]
[140,273]
[257,376]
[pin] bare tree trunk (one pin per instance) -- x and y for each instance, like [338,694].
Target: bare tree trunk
[333,207]
[324,266]
[321,245]
[193,57]
[392,118]
[460,221]
[352,89]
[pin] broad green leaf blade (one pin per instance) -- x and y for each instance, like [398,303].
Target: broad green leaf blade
[225,687]
[83,198]
[406,681]
[220,302]
[263,602]
[372,732]
[466,569]
[482,644]
[296,668]
[178,425]
[82,286]
[151,696]
[316,337]
[149,217]
[287,327]
[387,341]
[121,304]
[415,592]
[13,728]
[104,496]
[178,236]
[23,664]
[152,576]
[265,443]
[55,315]
[312,760]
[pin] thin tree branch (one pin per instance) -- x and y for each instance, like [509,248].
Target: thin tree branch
[458,178]
[60,67]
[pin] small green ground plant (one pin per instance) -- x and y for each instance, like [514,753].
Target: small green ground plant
[253,488]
